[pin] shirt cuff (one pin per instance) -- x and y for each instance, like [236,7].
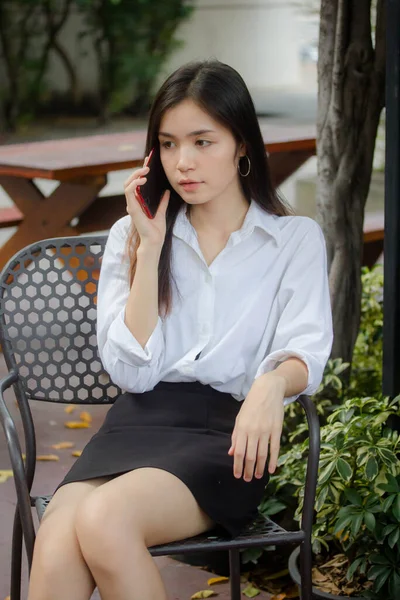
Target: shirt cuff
[273,360]
[127,348]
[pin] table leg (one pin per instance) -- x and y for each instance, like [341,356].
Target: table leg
[102,214]
[46,217]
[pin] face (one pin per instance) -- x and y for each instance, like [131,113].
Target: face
[199,155]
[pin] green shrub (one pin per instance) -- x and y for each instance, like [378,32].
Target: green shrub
[357,509]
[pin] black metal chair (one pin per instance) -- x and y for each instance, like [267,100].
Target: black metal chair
[48,337]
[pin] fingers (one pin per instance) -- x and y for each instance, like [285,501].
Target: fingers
[136,175]
[132,203]
[274,451]
[251,452]
[251,456]
[240,452]
[162,208]
[261,456]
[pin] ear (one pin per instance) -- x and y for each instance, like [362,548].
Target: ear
[242,150]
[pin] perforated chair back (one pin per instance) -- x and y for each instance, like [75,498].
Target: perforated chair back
[48,295]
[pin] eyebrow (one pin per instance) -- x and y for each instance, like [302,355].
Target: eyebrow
[192,134]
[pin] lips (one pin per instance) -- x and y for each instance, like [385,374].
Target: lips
[189,185]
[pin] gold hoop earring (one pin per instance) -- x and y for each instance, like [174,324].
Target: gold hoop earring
[249,167]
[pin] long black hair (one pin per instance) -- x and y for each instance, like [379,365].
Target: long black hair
[221,92]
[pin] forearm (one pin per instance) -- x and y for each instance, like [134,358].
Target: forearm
[141,311]
[293,374]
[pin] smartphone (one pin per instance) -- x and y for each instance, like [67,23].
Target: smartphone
[144,192]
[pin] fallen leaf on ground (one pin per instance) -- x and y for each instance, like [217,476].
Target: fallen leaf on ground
[213,580]
[63,445]
[4,475]
[276,575]
[250,591]
[86,417]
[69,409]
[77,453]
[279,597]
[203,594]
[47,457]
[76,425]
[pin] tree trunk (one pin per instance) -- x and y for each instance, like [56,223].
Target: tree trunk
[351,97]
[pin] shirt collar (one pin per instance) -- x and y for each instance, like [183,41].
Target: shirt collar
[256,216]
[259,217]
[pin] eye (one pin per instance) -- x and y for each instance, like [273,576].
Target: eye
[166,145]
[203,143]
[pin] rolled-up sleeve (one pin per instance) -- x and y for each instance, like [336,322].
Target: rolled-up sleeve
[130,366]
[304,328]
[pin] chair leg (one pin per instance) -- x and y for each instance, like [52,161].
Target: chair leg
[306,570]
[234,569]
[16,558]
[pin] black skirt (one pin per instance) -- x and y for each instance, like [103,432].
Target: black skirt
[182,428]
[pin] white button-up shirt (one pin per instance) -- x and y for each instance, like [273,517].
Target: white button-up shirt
[264,299]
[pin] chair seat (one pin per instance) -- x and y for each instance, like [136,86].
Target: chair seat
[262,532]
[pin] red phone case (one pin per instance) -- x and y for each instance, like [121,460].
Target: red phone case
[139,196]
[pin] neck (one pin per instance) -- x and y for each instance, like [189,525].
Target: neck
[218,218]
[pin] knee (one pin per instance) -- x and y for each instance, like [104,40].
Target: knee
[102,531]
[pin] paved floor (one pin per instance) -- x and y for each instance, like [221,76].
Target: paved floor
[182,580]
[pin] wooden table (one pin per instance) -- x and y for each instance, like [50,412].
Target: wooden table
[374,231]
[81,165]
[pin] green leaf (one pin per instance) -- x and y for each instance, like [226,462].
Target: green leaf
[392,484]
[251,591]
[381,579]
[251,555]
[377,570]
[394,537]
[381,418]
[387,503]
[356,524]
[353,568]
[321,498]
[369,520]
[389,529]
[326,473]
[371,468]
[394,584]
[341,524]
[353,496]
[389,458]
[339,441]
[378,559]
[396,507]
[344,469]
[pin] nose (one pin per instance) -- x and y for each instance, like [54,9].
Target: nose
[185,161]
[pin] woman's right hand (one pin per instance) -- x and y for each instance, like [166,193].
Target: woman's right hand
[151,231]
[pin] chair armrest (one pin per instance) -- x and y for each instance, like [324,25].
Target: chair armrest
[312,462]
[17,463]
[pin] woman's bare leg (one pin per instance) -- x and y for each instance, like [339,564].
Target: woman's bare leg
[58,569]
[118,521]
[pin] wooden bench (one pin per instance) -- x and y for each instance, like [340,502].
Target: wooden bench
[10,216]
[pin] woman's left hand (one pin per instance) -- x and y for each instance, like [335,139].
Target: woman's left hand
[258,428]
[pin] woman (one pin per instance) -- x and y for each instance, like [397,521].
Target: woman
[211,317]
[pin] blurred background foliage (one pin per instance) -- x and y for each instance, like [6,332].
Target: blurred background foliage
[131,40]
